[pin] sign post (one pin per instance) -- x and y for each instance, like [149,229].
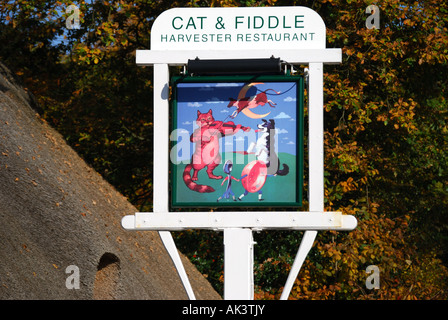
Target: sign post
[296,35]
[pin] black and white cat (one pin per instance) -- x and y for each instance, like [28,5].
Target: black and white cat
[265,151]
[265,148]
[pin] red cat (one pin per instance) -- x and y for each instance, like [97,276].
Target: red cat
[206,153]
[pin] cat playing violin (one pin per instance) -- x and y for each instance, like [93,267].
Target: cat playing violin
[206,154]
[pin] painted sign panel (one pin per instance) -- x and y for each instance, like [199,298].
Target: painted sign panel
[237,141]
[238,29]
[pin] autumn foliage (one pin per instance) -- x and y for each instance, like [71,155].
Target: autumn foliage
[386,134]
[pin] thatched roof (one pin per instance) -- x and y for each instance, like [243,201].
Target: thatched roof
[56,212]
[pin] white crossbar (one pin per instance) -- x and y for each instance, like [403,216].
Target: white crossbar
[252,220]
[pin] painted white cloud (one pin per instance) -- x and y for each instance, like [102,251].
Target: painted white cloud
[213,100]
[227,84]
[182,131]
[289,99]
[280,131]
[282,115]
[194,104]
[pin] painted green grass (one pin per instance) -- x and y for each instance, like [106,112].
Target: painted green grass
[277,190]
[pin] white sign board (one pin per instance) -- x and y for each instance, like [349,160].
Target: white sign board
[238,29]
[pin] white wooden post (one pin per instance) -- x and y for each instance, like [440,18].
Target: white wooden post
[161,161]
[316,137]
[315,167]
[238,264]
[161,138]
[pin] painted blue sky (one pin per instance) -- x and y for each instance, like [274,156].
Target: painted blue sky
[215,96]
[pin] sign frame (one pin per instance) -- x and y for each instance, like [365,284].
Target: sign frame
[227,86]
